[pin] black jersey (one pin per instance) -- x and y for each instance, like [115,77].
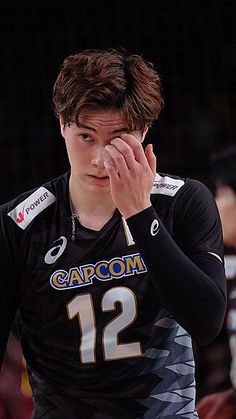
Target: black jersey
[106,317]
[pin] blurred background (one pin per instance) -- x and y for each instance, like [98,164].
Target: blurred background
[192,44]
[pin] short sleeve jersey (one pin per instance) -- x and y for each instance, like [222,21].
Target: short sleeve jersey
[91,321]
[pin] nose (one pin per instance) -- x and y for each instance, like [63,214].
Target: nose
[97,157]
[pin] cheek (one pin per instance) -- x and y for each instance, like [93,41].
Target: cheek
[70,151]
[73,148]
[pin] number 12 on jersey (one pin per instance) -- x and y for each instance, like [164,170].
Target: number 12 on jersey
[82,306]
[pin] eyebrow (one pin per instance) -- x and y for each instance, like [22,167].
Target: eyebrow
[122,129]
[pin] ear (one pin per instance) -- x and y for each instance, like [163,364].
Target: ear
[146,128]
[62,126]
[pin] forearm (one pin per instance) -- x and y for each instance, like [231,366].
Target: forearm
[188,292]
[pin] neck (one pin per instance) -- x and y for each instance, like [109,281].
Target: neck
[92,209]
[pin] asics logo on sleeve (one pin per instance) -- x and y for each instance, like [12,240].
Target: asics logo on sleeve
[27,210]
[154,227]
[55,252]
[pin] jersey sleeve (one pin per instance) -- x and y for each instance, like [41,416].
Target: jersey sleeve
[9,288]
[197,223]
[189,274]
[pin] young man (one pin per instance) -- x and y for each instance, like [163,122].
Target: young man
[113,268]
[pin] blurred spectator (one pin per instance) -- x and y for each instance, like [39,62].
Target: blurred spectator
[222,404]
[15,393]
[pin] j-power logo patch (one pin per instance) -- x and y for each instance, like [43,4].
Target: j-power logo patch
[27,210]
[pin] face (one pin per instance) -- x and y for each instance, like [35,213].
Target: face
[226,202]
[85,147]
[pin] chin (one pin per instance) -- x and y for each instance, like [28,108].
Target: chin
[99,189]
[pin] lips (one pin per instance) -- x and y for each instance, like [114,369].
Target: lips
[102,177]
[99,179]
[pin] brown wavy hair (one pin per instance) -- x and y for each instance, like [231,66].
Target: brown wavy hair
[110,78]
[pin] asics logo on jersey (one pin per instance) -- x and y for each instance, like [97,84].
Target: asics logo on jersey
[116,268]
[55,252]
[21,216]
[154,227]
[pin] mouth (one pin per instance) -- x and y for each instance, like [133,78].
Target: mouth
[99,179]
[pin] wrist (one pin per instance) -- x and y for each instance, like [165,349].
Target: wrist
[133,211]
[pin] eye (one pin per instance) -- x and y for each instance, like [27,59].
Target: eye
[85,137]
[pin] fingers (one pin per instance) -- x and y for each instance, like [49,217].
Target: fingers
[135,146]
[112,173]
[131,171]
[151,158]
[111,170]
[126,151]
[121,154]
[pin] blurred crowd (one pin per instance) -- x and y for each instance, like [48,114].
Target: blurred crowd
[217,362]
[15,392]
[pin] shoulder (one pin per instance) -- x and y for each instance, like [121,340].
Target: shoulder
[190,212]
[23,209]
[168,185]
[181,190]
[197,225]
[196,197]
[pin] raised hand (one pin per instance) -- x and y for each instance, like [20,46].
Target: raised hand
[131,171]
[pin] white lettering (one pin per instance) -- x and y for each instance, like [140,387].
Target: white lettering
[154,227]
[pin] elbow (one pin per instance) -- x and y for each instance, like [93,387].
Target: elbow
[207,335]
[211,325]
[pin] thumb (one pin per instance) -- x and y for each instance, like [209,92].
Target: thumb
[151,158]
